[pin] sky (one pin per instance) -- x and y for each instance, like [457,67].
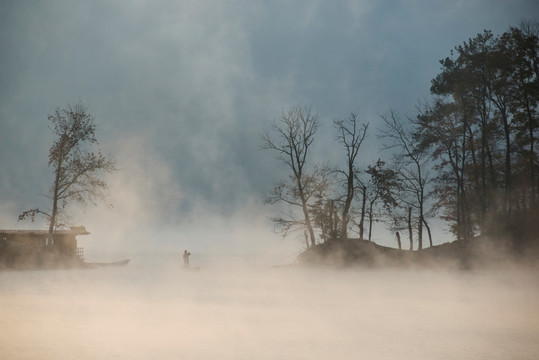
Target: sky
[182,91]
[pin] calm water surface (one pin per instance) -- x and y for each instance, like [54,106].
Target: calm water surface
[153,309]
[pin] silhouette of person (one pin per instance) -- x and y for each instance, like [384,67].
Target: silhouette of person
[186,255]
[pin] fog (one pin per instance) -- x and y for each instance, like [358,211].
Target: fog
[237,308]
[239,305]
[181,92]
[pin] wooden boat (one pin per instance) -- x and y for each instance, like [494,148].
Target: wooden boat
[113,263]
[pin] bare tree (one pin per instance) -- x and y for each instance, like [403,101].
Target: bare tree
[351,135]
[76,162]
[292,137]
[411,161]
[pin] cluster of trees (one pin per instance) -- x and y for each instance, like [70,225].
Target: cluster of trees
[329,202]
[469,155]
[482,131]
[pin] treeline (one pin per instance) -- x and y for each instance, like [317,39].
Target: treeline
[469,155]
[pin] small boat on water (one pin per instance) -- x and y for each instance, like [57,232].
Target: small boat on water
[113,263]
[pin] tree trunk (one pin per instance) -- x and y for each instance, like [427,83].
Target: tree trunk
[531,130]
[304,207]
[421,219]
[483,175]
[52,222]
[335,224]
[308,224]
[428,231]
[370,220]
[508,203]
[54,212]
[363,207]
[348,202]
[410,231]
[331,223]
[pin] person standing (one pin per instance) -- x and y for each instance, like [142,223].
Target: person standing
[186,255]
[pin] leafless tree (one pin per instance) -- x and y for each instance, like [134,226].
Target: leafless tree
[410,162]
[351,135]
[292,137]
[77,163]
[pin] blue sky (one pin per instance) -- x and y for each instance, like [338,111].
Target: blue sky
[181,90]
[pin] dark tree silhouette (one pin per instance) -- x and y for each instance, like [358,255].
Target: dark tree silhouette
[483,130]
[292,137]
[411,164]
[76,163]
[350,134]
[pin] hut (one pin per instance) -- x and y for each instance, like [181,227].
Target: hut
[29,249]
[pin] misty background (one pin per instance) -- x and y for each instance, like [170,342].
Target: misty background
[182,90]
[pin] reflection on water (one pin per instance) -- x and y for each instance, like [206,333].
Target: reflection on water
[152,309]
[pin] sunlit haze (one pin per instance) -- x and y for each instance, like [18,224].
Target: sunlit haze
[153,309]
[183,93]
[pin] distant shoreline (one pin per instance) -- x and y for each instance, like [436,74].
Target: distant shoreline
[479,252]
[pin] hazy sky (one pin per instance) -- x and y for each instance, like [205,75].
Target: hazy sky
[181,90]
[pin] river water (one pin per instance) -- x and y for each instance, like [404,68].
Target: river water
[153,309]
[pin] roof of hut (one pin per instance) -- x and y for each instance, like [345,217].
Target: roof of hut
[74,230]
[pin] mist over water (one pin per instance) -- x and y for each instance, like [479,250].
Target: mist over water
[153,309]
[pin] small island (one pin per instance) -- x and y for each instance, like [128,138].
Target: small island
[467,156]
[476,253]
